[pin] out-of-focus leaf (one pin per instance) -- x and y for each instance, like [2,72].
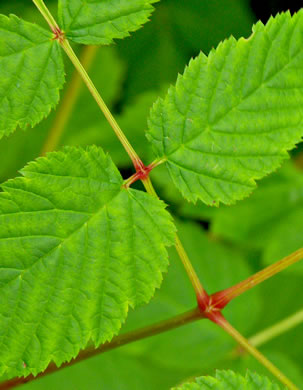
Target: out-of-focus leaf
[177,30]
[271,219]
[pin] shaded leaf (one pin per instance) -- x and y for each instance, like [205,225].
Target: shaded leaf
[270,220]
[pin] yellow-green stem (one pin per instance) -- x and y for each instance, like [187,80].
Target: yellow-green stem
[223,297]
[90,85]
[46,14]
[200,292]
[257,354]
[108,115]
[276,330]
[67,103]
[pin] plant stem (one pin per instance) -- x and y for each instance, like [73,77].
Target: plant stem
[108,115]
[200,292]
[254,352]
[118,341]
[222,298]
[277,329]
[59,35]
[67,103]
[46,14]
[195,281]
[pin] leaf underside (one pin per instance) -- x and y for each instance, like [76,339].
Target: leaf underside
[76,249]
[99,22]
[227,380]
[233,115]
[32,74]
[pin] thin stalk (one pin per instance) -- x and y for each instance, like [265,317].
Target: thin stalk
[201,294]
[108,115]
[119,341]
[276,330]
[46,14]
[68,102]
[222,298]
[59,35]
[257,354]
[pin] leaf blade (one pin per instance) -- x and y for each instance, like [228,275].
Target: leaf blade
[233,115]
[76,252]
[32,73]
[229,379]
[99,23]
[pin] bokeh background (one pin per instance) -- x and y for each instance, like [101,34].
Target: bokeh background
[223,245]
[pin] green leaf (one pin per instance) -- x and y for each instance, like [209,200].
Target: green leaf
[85,114]
[226,380]
[99,22]
[32,73]
[289,367]
[233,115]
[77,249]
[180,353]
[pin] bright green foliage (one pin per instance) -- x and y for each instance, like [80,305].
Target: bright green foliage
[32,73]
[233,115]
[86,125]
[76,250]
[227,380]
[271,219]
[99,22]
[165,360]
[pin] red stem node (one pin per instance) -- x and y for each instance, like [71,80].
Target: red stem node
[208,309]
[58,34]
[142,172]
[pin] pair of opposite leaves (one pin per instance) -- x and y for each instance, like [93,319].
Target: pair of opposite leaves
[77,248]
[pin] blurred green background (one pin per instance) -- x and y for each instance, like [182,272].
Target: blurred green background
[225,244]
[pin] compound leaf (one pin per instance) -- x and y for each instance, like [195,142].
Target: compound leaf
[32,73]
[226,380]
[99,22]
[233,115]
[76,250]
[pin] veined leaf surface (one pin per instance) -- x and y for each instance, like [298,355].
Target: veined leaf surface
[32,73]
[226,380]
[99,22]
[76,250]
[233,115]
